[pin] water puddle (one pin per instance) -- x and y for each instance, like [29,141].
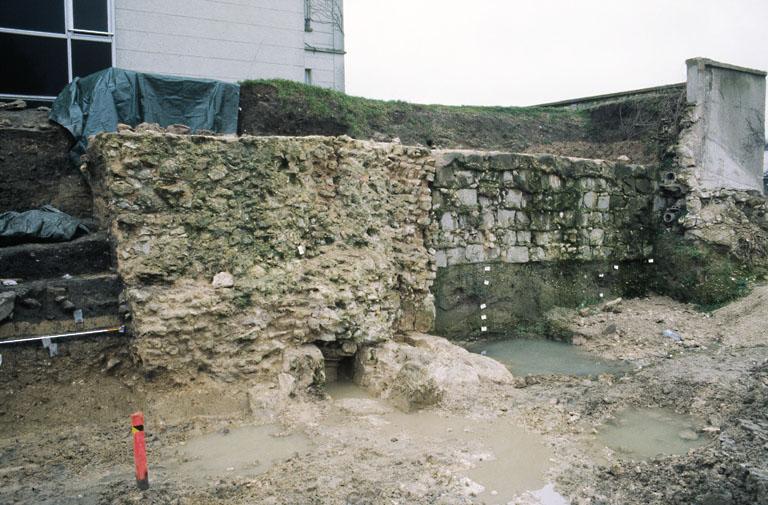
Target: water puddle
[501,456]
[244,451]
[547,357]
[645,433]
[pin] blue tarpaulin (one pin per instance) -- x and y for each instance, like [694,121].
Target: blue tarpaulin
[98,102]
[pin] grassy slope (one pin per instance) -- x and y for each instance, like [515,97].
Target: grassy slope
[286,107]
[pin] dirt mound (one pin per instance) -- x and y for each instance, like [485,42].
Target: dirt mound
[632,127]
[744,321]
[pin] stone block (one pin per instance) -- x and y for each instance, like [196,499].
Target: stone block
[447,222]
[441,259]
[538,254]
[489,220]
[554,182]
[467,197]
[514,198]
[517,254]
[596,236]
[589,200]
[523,237]
[475,253]
[455,256]
[522,219]
[464,177]
[505,217]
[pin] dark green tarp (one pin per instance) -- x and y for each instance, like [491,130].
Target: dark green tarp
[44,224]
[98,102]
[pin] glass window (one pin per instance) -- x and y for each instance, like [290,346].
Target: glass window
[39,65]
[37,15]
[89,57]
[90,15]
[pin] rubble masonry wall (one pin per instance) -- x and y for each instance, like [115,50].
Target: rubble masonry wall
[332,241]
[324,239]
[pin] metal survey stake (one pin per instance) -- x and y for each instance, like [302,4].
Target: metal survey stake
[139,450]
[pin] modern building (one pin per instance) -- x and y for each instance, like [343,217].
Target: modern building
[47,43]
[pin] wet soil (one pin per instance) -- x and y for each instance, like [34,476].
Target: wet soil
[64,430]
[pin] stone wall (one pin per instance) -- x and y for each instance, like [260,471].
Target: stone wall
[518,208]
[324,239]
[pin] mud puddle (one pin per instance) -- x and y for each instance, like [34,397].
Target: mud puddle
[645,433]
[547,357]
[498,459]
[245,451]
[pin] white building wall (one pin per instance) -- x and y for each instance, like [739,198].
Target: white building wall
[230,40]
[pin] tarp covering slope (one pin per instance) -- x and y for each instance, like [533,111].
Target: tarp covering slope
[98,102]
[44,224]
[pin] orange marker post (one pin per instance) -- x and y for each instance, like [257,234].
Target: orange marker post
[139,450]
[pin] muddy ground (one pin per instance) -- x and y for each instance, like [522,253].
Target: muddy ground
[65,439]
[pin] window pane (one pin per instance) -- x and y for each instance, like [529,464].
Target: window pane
[89,57]
[32,65]
[90,15]
[38,15]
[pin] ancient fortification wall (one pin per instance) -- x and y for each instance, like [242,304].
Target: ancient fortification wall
[518,208]
[233,250]
[522,234]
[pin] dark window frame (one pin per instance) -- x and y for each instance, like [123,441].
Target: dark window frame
[71,34]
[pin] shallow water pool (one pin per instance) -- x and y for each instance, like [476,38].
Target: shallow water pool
[648,432]
[547,357]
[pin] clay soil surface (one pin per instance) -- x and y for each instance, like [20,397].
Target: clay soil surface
[65,434]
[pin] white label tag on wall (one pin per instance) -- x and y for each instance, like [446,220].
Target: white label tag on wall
[487,269]
[486,282]
[483,317]
[482,306]
[483,328]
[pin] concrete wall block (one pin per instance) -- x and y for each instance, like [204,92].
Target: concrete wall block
[730,106]
[523,237]
[603,202]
